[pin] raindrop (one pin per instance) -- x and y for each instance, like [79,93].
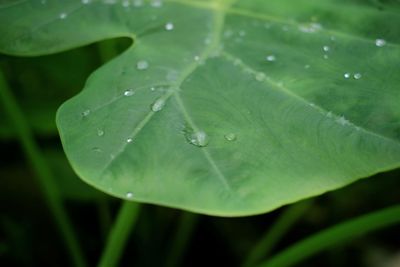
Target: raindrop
[129,195]
[357,76]
[129,92]
[326,48]
[169,26]
[129,140]
[142,65]
[260,76]
[230,137]
[63,15]
[158,105]
[380,42]
[198,138]
[346,75]
[270,58]
[152,89]
[85,113]
[100,132]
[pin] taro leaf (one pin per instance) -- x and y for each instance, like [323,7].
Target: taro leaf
[221,107]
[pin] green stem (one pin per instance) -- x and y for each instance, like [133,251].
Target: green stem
[42,171]
[335,235]
[272,236]
[119,235]
[187,224]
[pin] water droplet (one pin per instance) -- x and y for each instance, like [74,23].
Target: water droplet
[129,92]
[342,121]
[152,89]
[142,65]
[63,16]
[380,42]
[100,132]
[260,76]
[129,140]
[270,58]
[326,56]
[346,75]
[129,195]
[310,27]
[230,137]
[85,113]
[196,58]
[198,138]
[326,48]
[169,26]
[158,105]
[85,2]
[357,76]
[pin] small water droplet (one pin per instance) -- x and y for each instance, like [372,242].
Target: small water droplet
[357,76]
[260,76]
[270,58]
[198,138]
[158,105]
[346,75]
[129,92]
[152,89]
[129,194]
[380,42]
[129,140]
[230,137]
[342,121]
[142,65]
[63,16]
[85,113]
[326,56]
[310,27]
[326,48]
[100,132]
[169,26]
[196,58]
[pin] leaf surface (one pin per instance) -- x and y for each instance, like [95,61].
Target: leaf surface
[224,107]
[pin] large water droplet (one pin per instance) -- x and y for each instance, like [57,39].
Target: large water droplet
[63,15]
[197,138]
[380,42]
[230,137]
[129,195]
[85,113]
[129,92]
[142,65]
[270,58]
[158,105]
[169,26]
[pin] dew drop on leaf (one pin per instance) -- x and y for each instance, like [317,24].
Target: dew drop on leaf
[326,48]
[169,26]
[197,138]
[346,75]
[158,105]
[357,76]
[100,132]
[142,65]
[63,16]
[380,42]
[129,92]
[230,137]
[129,195]
[85,113]
[129,140]
[270,58]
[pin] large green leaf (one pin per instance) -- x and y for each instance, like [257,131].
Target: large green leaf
[224,107]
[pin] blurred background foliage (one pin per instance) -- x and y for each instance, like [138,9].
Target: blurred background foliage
[162,236]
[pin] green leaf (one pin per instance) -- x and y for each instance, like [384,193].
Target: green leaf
[224,107]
